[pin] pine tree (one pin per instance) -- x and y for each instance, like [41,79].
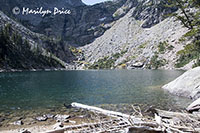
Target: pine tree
[188,17]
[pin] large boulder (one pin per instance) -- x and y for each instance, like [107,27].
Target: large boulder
[187,85]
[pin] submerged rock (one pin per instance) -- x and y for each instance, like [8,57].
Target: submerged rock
[187,85]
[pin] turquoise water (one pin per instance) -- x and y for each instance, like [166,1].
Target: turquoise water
[33,90]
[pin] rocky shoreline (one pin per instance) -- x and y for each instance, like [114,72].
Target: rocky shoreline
[77,117]
[50,119]
[77,69]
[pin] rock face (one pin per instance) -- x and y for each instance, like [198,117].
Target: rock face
[187,85]
[82,26]
[152,11]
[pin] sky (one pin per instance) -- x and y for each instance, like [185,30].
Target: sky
[91,2]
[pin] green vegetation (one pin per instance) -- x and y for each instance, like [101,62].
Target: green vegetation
[163,46]
[191,20]
[189,53]
[142,46]
[188,18]
[107,62]
[104,63]
[75,51]
[156,63]
[170,47]
[16,53]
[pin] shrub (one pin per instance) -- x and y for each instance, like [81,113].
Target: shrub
[104,63]
[155,62]
[162,47]
[189,53]
[142,46]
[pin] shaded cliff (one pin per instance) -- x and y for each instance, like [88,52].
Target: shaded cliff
[23,49]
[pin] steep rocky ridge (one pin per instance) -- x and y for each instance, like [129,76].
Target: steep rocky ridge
[144,37]
[82,26]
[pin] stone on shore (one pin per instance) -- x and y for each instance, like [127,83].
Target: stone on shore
[2,119]
[41,118]
[58,125]
[50,116]
[18,123]
[62,118]
[187,85]
[24,131]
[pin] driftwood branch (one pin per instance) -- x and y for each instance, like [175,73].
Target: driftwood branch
[102,111]
[131,120]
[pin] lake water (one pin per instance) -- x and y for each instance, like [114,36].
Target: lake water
[34,90]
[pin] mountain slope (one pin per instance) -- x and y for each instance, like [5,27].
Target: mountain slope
[121,34]
[142,38]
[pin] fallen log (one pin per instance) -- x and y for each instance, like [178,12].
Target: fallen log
[106,112]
